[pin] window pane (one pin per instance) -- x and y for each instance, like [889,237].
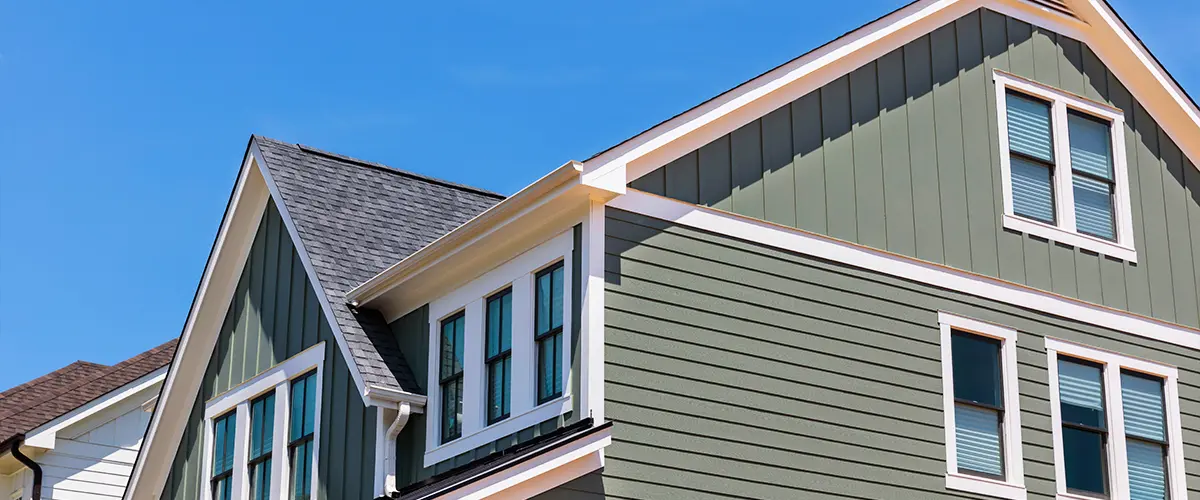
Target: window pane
[495,391]
[1090,148]
[493,327]
[219,445]
[262,416]
[976,369]
[507,385]
[452,410]
[1032,190]
[506,325]
[260,481]
[977,434]
[447,361]
[297,411]
[1094,207]
[310,402]
[1142,401]
[1029,127]
[459,331]
[301,479]
[542,304]
[1081,393]
[1084,457]
[556,297]
[1147,470]
[545,369]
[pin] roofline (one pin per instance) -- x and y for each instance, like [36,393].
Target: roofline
[437,250]
[43,436]
[393,170]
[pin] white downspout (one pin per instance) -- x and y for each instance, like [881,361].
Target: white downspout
[402,414]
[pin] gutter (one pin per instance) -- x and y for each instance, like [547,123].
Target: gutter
[36,494]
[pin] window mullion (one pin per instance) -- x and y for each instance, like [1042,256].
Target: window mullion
[1064,189]
[1117,457]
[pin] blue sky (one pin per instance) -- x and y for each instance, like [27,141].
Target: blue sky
[122,124]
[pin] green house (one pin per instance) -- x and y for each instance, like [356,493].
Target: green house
[952,254]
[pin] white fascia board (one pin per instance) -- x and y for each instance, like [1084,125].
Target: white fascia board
[44,436]
[221,273]
[824,247]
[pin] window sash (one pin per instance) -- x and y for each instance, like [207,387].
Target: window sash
[300,456]
[498,349]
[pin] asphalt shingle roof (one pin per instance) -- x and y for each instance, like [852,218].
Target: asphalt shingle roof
[357,218]
[35,403]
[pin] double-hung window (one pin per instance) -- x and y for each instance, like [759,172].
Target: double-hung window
[1114,435]
[262,432]
[548,314]
[260,436]
[982,411]
[499,355]
[451,375]
[224,443]
[1064,168]
[499,351]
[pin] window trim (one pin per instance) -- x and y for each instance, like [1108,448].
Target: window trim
[1064,230]
[1013,486]
[278,379]
[471,298]
[499,357]
[1112,364]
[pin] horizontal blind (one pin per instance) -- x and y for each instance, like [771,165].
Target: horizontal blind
[977,437]
[1029,127]
[1090,148]
[1093,207]
[1142,400]
[1080,385]
[1032,191]
[1147,471]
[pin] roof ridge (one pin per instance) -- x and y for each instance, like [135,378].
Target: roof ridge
[386,168]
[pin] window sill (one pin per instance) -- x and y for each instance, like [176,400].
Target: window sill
[984,486]
[1050,232]
[508,426]
[1076,496]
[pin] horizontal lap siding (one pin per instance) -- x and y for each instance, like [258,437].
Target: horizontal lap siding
[740,371]
[902,154]
[273,316]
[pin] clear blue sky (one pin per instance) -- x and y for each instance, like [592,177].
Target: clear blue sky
[122,124]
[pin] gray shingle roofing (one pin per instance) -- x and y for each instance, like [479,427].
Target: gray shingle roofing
[357,218]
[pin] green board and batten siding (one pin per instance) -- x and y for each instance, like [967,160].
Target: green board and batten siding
[412,335]
[902,154]
[273,316]
[735,370]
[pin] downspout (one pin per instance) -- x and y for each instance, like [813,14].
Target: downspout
[404,411]
[36,494]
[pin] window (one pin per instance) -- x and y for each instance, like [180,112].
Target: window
[982,411]
[499,355]
[300,435]
[548,316]
[501,343]
[262,431]
[1097,454]
[224,433]
[267,426]
[451,363]
[1063,165]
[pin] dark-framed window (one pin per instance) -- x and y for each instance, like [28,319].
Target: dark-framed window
[451,375]
[548,331]
[1031,156]
[978,404]
[262,437]
[300,434]
[224,439]
[498,355]
[1084,426]
[1146,443]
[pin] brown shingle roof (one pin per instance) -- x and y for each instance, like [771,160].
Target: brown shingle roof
[32,404]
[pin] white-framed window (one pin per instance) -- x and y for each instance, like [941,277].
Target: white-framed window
[1116,425]
[498,351]
[982,408]
[260,436]
[1062,160]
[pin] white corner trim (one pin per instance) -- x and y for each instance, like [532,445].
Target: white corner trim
[221,273]
[1013,488]
[313,277]
[278,380]
[796,240]
[44,436]
[517,273]
[540,473]
[591,366]
[1065,230]
[1112,364]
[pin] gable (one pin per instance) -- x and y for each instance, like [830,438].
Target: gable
[902,154]
[273,315]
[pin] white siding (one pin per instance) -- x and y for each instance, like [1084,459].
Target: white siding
[94,460]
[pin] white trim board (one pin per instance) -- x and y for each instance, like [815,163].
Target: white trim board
[44,436]
[803,242]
